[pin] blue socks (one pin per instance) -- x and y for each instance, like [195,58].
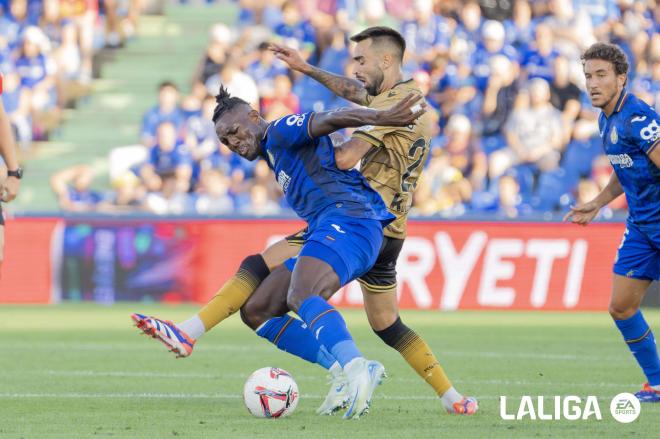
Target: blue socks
[291,335]
[329,328]
[640,340]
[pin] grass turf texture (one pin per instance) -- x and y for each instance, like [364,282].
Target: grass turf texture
[82,371]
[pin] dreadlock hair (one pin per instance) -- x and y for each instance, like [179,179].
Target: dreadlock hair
[225,102]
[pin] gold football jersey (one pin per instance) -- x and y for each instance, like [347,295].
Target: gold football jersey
[397,156]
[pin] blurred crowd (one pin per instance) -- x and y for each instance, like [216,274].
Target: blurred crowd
[515,134]
[46,56]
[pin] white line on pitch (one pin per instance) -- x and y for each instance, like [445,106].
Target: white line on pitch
[231,396]
[302,377]
[192,396]
[83,347]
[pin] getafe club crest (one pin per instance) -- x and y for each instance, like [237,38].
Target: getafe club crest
[614,137]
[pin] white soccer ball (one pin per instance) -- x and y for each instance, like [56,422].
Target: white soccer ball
[270,393]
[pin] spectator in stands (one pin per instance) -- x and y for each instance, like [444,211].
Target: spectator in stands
[200,131]
[129,194]
[520,29]
[458,90]
[469,27]
[603,14]
[463,153]
[493,45]
[17,21]
[282,101]
[446,188]
[294,26]
[565,95]
[16,101]
[498,102]
[427,34]
[538,60]
[168,199]
[265,69]
[260,204]
[37,70]
[509,200]
[216,53]
[168,156]
[238,83]
[534,133]
[167,110]
[51,21]
[72,187]
[214,196]
[572,31]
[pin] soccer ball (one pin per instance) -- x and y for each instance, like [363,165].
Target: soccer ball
[270,393]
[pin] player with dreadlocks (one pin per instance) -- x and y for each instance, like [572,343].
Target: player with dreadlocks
[345,219]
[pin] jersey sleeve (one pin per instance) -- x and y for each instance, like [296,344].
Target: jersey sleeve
[291,131]
[645,129]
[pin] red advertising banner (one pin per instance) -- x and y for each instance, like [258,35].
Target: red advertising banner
[443,265]
[455,265]
[27,267]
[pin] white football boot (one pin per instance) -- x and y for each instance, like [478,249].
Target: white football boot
[337,397]
[363,378]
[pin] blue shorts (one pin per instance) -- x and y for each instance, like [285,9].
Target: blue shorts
[638,255]
[349,245]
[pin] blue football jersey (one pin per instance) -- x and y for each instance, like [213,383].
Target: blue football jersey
[630,133]
[306,170]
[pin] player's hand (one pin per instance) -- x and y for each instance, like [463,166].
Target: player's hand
[404,113]
[10,189]
[288,55]
[583,214]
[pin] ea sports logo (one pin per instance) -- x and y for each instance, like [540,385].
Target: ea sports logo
[625,407]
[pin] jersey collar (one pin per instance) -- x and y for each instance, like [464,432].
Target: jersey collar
[620,102]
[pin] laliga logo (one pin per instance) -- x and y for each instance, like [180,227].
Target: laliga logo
[569,408]
[625,408]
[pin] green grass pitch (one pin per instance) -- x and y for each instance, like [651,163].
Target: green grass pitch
[83,371]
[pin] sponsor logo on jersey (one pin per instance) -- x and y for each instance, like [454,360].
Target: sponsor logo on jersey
[650,131]
[283,179]
[622,160]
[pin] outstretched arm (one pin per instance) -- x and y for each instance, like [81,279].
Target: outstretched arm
[583,214]
[343,86]
[402,114]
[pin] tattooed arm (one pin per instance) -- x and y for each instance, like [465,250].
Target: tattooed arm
[347,88]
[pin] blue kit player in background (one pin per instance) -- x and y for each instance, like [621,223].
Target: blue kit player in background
[630,130]
[345,217]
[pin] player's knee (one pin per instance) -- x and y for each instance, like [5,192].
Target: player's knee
[295,297]
[394,333]
[256,267]
[621,310]
[383,319]
[252,314]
